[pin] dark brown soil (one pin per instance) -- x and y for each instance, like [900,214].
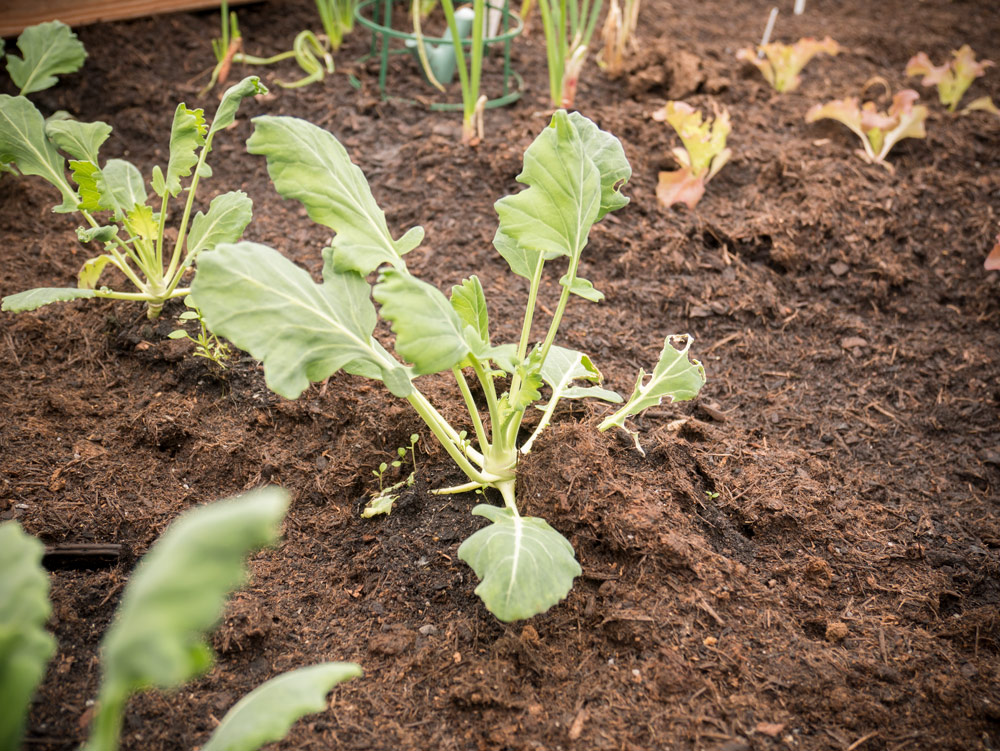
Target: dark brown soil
[807,557]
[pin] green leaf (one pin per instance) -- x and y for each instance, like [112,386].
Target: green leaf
[80,140]
[177,594]
[100,234]
[231,99]
[428,331]
[187,135]
[524,565]
[469,301]
[563,366]
[86,175]
[177,334]
[228,215]
[25,645]
[610,159]
[674,377]
[584,288]
[268,712]
[121,186]
[381,504]
[302,331]
[308,164]
[49,49]
[141,222]
[23,142]
[92,270]
[522,261]
[36,298]
[563,200]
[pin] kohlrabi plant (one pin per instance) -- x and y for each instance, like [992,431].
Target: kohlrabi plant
[704,152]
[952,78]
[781,64]
[878,131]
[47,50]
[112,199]
[305,332]
[157,641]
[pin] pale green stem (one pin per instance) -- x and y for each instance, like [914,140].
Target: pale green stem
[120,261]
[175,257]
[550,409]
[553,51]
[158,260]
[454,489]
[529,312]
[437,424]
[107,725]
[470,403]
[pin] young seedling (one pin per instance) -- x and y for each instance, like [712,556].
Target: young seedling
[206,344]
[304,332]
[47,50]
[704,152]
[157,640]
[569,26]
[382,503]
[228,49]
[952,78]
[878,131]
[781,64]
[618,33]
[112,199]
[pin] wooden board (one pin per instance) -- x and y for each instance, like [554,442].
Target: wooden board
[18,14]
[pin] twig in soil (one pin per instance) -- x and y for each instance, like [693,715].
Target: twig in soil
[861,740]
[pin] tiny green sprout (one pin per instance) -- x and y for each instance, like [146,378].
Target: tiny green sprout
[711,495]
[382,503]
[206,344]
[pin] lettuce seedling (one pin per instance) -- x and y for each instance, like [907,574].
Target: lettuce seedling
[305,332]
[176,594]
[782,63]
[112,199]
[25,645]
[47,50]
[952,78]
[704,152]
[878,131]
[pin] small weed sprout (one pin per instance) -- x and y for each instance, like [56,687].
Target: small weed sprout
[206,344]
[382,503]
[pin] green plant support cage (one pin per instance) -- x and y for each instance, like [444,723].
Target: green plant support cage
[385,41]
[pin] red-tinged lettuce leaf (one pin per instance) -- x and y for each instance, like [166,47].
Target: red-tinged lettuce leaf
[679,186]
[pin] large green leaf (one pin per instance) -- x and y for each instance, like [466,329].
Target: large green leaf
[609,158]
[231,99]
[80,140]
[121,186]
[25,645]
[675,377]
[524,565]
[228,215]
[187,135]
[301,331]
[36,298]
[23,142]
[555,214]
[308,164]
[175,596]
[49,49]
[428,331]
[268,712]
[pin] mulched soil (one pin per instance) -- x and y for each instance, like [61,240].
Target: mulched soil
[806,557]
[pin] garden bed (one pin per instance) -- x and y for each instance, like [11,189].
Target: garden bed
[806,557]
